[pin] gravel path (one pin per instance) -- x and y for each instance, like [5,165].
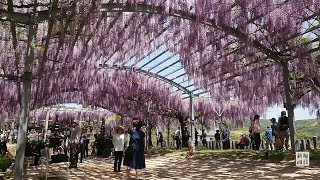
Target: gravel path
[177,167]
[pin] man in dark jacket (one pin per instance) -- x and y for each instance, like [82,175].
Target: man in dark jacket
[217,137]
[283,129]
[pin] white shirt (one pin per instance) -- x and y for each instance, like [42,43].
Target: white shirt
[2,137]
[177,133]
[75,134]
[118,142]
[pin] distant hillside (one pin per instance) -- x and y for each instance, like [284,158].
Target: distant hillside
[305,128]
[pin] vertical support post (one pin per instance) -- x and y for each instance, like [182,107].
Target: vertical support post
[46,126]
[25,100]
[220,129]
[168,134]
[191,115]
[80,118]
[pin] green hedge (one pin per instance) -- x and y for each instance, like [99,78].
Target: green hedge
[5,163]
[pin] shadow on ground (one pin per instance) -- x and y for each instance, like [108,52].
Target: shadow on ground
[172,166]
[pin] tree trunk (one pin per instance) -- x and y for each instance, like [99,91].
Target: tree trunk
[150,136]
[121,120]
[289,105]
[183,131]
[25,103]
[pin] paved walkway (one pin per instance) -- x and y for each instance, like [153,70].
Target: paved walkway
[177,167]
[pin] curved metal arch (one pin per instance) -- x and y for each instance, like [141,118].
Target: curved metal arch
[148,73]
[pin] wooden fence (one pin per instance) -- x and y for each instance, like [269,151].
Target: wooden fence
[304,144]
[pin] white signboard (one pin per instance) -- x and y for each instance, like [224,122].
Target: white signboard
[302,159]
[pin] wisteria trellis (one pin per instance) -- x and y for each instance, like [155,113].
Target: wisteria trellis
[259,51]
[275,24]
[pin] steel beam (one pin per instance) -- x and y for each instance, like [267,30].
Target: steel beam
[168,58]
[160,54]
[168,67]
[178,76]
[150,74]
[173,72]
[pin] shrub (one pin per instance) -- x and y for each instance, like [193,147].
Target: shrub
[4,163]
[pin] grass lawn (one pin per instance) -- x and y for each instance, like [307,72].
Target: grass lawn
[235,154]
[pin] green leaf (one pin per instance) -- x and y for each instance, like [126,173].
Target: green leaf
[39,48]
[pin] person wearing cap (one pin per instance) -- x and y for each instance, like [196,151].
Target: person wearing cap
[283,130]
[118,140]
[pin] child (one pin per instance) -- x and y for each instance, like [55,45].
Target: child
[190,148]
[269,140]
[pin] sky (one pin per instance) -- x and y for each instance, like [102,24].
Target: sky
[273,112]
[300,113]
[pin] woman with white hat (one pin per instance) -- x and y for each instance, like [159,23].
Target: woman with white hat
[118,140]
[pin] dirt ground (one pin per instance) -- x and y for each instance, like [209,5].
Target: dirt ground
[172,166]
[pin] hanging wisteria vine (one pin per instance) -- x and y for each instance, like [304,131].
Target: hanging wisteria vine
[236,47]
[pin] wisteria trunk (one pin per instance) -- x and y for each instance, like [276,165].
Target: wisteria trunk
[183,130]
[121,120]
[289,105]
[150,136]
[25,103]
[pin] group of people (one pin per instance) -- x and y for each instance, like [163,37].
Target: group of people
[279,131]
[129,143]
[223,137]
[181,137]
[276,135]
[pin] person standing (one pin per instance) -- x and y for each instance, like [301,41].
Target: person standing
[160,139]
[269,140]
[118,140]
[226,138]
[134,154]
[86,149]
[283,130]
[255,130]
[217,137]
[83,142]
[74,145]
[190,148]
[204,138]
[177,137]
[195,137]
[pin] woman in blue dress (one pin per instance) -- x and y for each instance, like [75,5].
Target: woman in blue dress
[134,155]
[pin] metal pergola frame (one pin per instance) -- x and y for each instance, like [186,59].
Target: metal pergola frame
[31,19]
[142,69]
[147,73]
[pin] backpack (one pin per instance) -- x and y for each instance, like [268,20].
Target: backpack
[273,127]
[284,123]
